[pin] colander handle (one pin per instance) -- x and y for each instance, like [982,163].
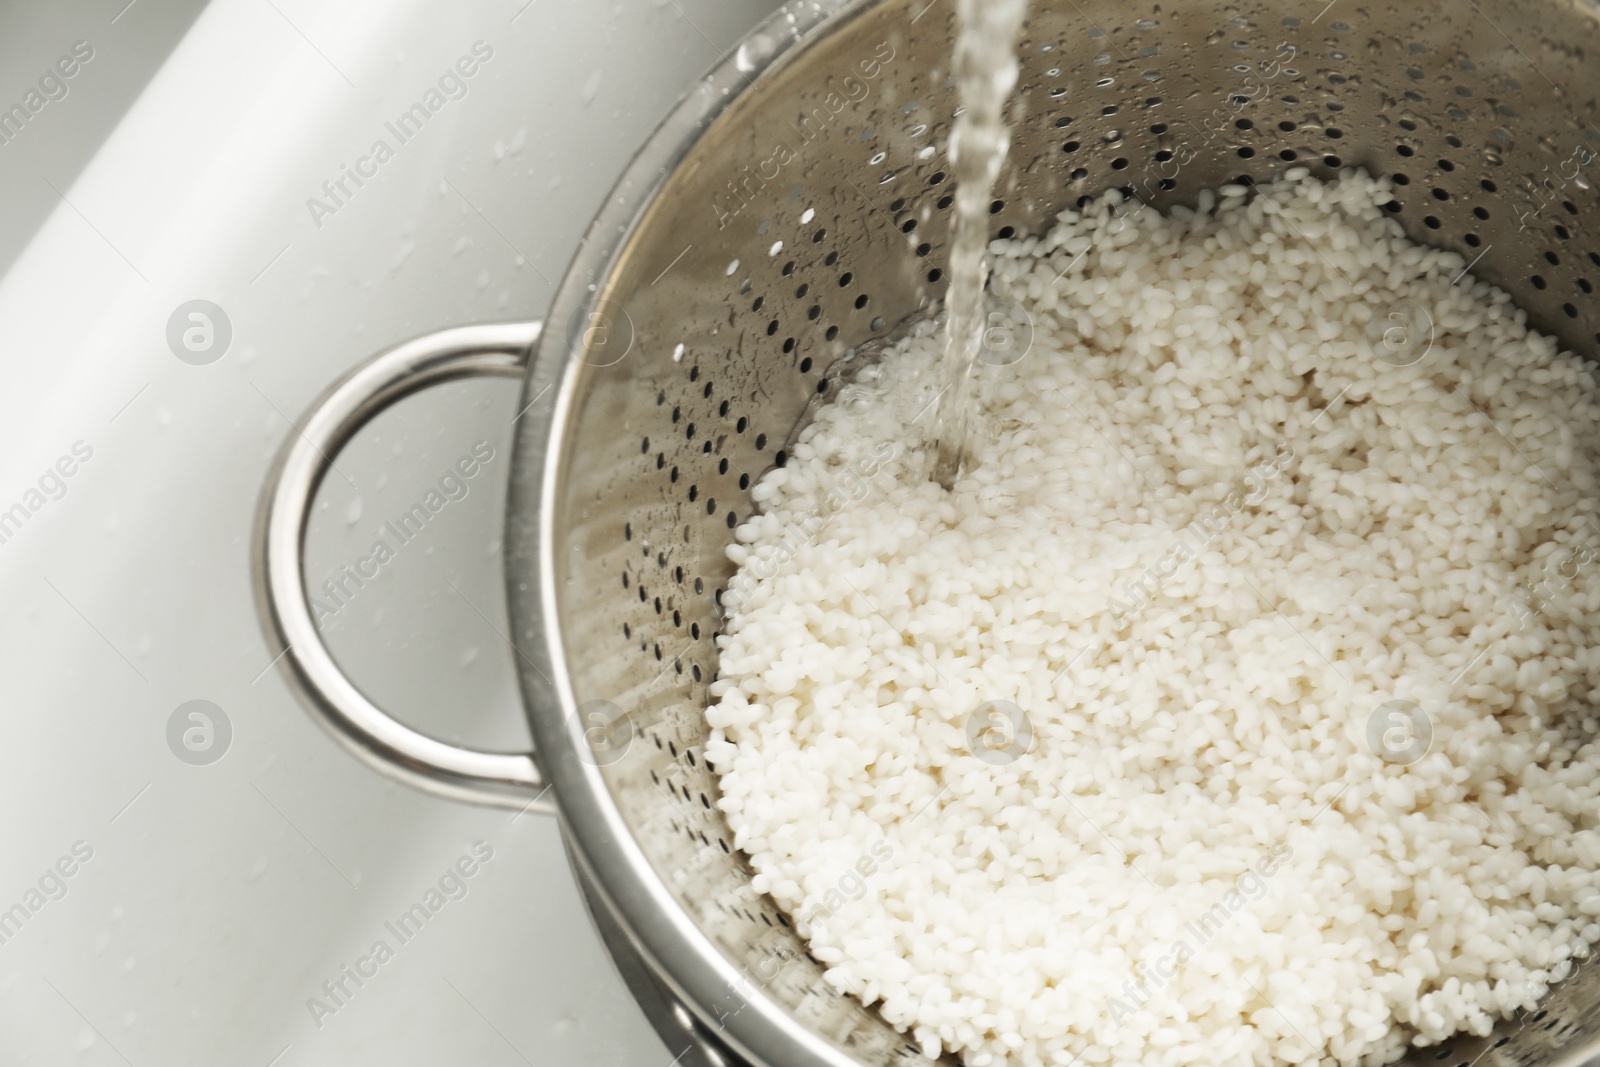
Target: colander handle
[501,779]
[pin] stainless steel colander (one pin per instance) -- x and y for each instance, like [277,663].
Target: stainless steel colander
[795,205]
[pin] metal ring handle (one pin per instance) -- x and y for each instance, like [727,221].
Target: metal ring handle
[502,779]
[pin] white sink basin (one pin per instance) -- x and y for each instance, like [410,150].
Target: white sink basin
[221,902]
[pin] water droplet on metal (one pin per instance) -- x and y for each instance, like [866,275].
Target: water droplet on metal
[755,51]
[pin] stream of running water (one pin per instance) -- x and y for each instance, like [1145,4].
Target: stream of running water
[986,73]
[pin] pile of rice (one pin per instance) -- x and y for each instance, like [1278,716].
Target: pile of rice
[1211,538]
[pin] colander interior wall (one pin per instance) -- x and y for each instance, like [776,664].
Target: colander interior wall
[814,216]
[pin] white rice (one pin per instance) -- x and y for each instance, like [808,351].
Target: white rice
[1200,858]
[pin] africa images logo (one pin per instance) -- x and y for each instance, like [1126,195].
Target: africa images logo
[53,85]
[811,125]
[51,486]
[451,885]
[454,485]
[452,85]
